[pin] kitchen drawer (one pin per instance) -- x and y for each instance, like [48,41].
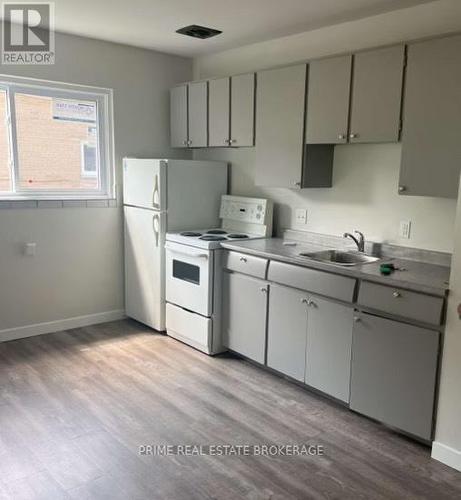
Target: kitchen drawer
[311,280]
[412,305]
[246,264]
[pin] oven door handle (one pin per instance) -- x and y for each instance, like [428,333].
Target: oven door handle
[185,252]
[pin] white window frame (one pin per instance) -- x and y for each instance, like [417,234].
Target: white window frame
[104,100]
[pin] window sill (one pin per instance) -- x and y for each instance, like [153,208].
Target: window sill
[13,203]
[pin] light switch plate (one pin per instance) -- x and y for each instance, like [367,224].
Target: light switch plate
[301,216]
[405,229]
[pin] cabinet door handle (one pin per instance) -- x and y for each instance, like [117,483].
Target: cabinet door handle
[402,189]
[232,141]
[296,184]
[353,136]
[304,301]
[226,141]
[263,289]
[185,143]
[243,259]
[311,303]
[357,319]
[396,295]
[341,136]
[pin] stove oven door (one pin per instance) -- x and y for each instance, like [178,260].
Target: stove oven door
[189,278]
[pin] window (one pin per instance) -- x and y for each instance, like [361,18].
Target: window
[55,141]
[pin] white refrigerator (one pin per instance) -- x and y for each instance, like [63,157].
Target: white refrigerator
[159,196]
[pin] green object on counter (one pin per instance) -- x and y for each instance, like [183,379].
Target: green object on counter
[387,269]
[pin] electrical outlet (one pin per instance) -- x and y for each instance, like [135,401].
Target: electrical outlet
[405,229]
[301,216]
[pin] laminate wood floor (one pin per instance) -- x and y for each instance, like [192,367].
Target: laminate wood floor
[75,406]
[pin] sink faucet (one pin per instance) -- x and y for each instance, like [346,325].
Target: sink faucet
[360,241]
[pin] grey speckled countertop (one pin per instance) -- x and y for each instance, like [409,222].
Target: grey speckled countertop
[417,276]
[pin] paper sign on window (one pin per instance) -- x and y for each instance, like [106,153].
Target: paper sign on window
[74,111]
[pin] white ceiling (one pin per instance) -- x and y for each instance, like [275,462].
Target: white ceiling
[152,23]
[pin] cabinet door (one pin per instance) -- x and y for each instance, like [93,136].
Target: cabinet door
[431,145]
[286,331]
[377,95]
[219,108]
[328,100]
[244,315]
[242,110]
[394,367]
[329,343]
[178,117]
[198,114]
[280,110]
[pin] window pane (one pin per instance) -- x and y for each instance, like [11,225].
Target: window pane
[5,171]
[50,135]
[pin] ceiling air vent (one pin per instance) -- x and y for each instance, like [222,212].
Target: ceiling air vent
[196,31]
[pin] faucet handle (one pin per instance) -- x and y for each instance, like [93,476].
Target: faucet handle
[360,234]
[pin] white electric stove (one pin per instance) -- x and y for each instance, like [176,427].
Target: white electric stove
[194,272]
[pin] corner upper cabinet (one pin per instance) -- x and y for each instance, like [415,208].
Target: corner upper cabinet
[178,117]
[280,109]
[328,100]
[431,145]
[198,114]
[231,111]
[377,95]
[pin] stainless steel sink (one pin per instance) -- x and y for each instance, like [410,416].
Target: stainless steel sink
[340,257]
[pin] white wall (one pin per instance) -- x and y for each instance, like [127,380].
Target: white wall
[78,269]
[447,446]
[365,176]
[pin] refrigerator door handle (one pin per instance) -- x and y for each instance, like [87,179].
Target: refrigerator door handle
[155,194]
[156,227]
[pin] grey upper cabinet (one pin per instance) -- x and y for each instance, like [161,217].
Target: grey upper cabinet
[328,100]
[198,114]
[286,331]
[328,350]
[231,111]
[394,371]
[242,110]
[219,112]
[244,315]
[431,145]
[178,117]
[280,109]
[377,95]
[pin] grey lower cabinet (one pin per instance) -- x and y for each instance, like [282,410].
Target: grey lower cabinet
[431,145]
[328,350]
[198,114]
[394,371]
[377,95]
[328,100]
[244,315]
[178,117]
[309,339]
[287,328]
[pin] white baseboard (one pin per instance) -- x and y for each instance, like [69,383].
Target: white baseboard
[447,455]
[60,325]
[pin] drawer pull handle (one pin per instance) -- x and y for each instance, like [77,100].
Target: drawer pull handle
[243,259]
[396,295]
[357,319]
